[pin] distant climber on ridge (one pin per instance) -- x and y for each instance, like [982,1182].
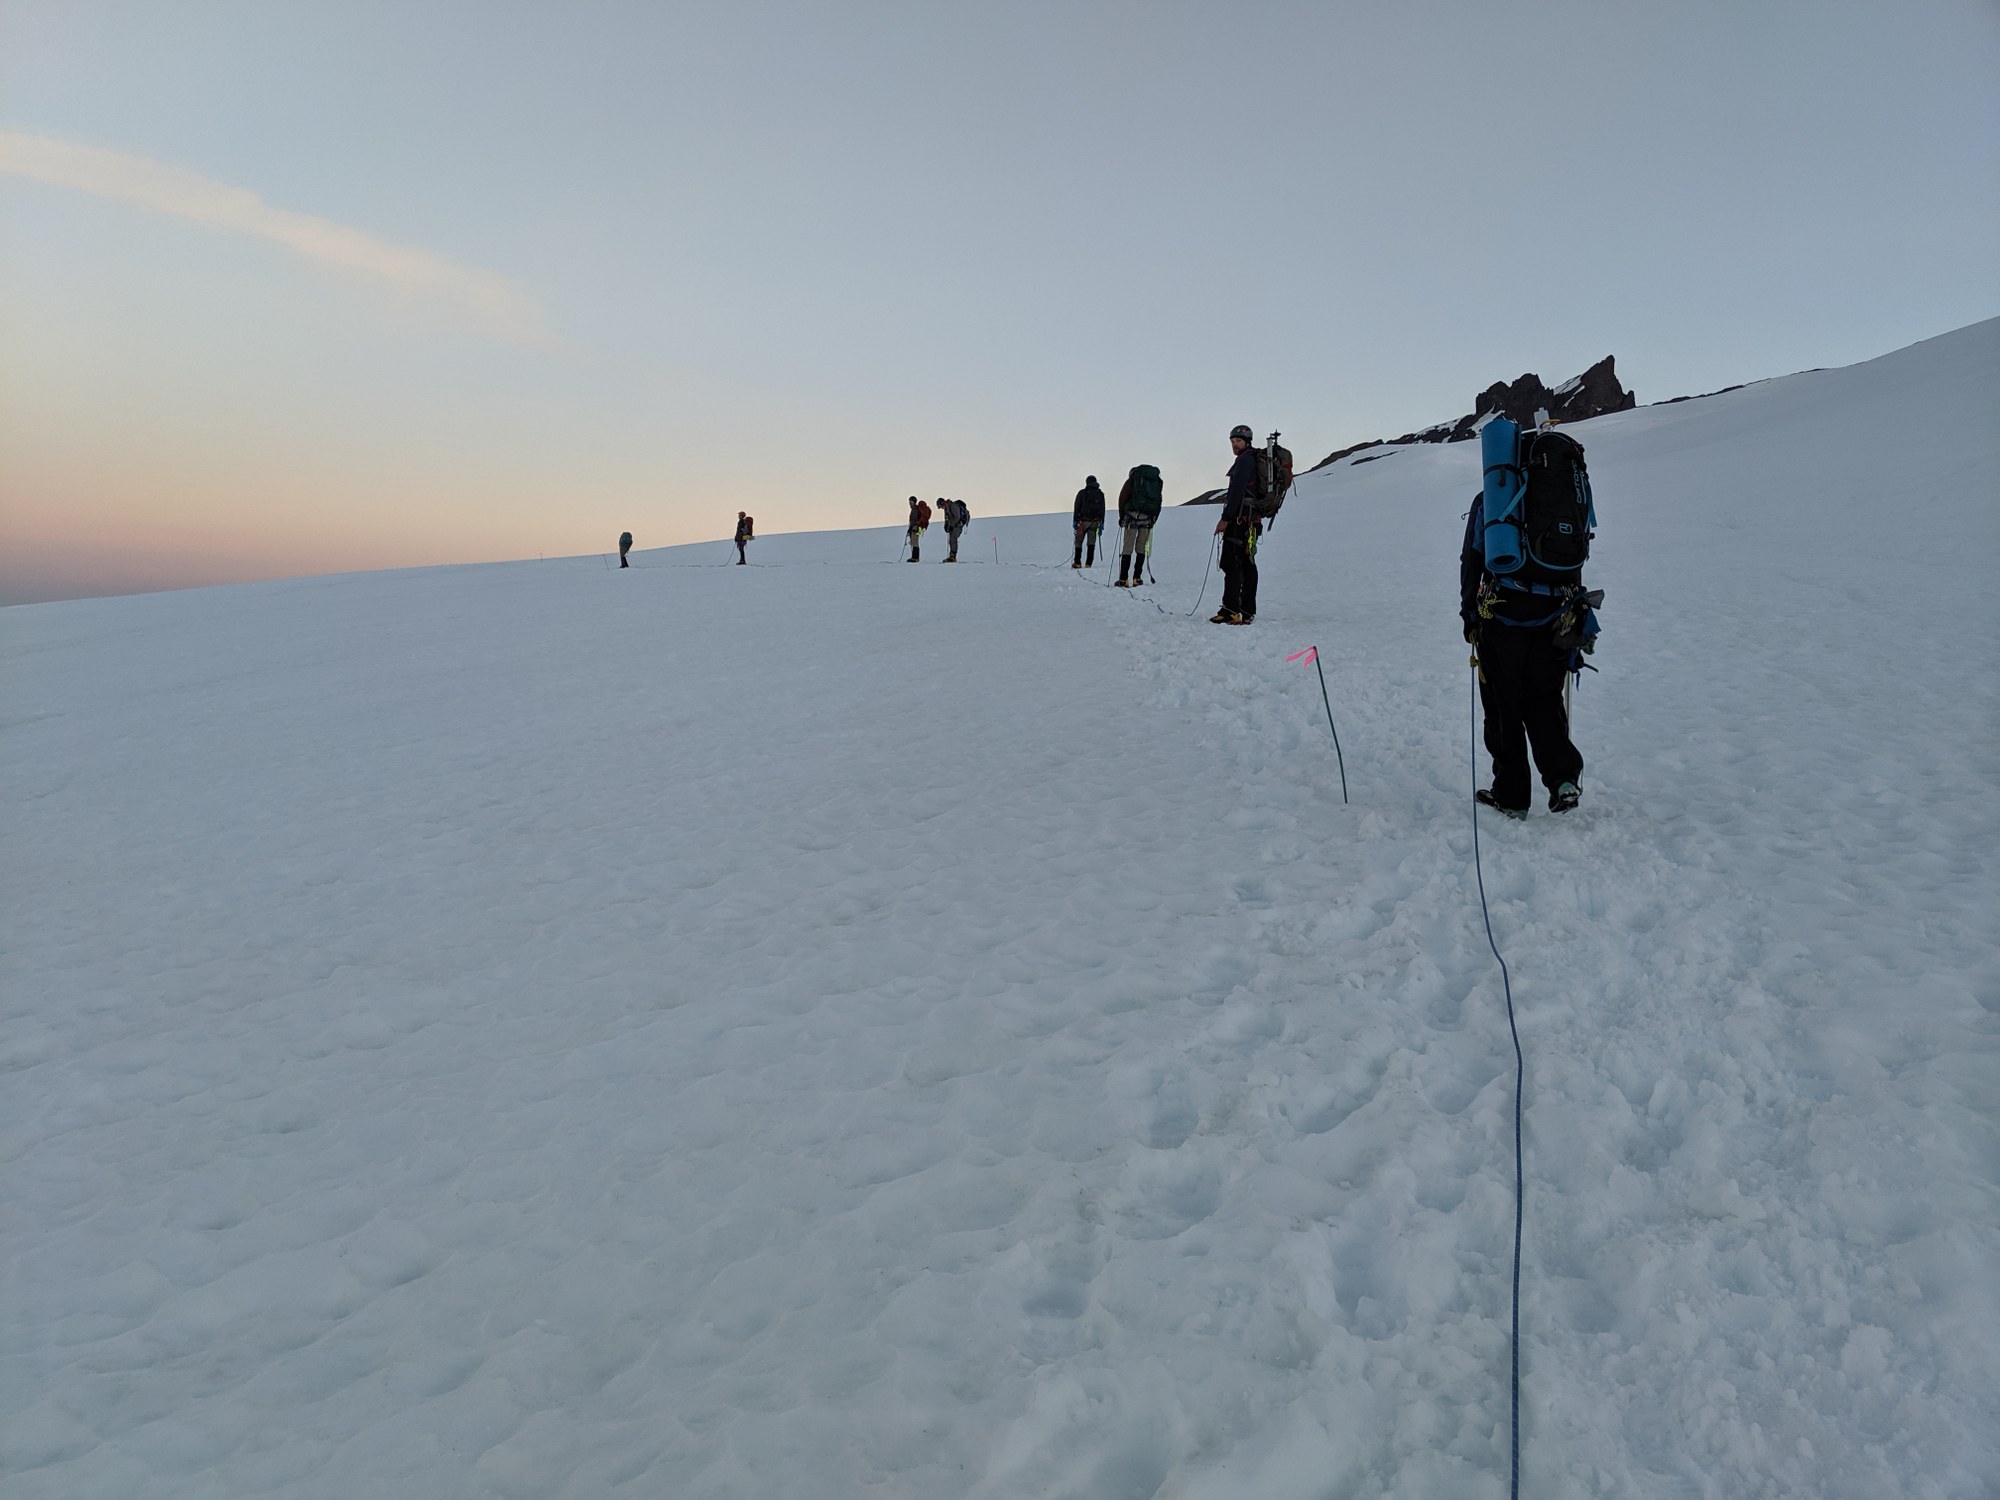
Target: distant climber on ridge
[920,520]
[1086,518]
[746,531]
[624,546]
[956,519]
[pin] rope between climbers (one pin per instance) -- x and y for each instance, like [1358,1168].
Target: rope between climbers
[1212,554]
[1520,1073]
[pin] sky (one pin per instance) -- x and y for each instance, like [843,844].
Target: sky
[290,288]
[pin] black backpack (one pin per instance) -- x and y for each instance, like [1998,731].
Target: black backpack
[1556,511]
[1274,478]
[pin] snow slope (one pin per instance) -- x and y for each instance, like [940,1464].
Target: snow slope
[840,1028]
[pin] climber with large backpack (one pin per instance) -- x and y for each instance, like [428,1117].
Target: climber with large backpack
[1525,610]
[1139,500]
[920,520]
[1239,529]
[956,519]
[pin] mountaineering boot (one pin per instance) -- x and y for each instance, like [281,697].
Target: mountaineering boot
[1225,617]
[1564,797]
[1484,796]
[1124,567]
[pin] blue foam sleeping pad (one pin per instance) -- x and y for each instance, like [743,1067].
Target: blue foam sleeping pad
[1500,452]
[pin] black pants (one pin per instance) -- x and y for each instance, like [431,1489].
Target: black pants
[1086,538]
[739,552]
[1521,688]
[1239,576]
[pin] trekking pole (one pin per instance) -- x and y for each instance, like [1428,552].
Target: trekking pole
[996,552]
[1311,654]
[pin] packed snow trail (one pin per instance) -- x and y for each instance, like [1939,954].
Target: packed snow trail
[846,1028]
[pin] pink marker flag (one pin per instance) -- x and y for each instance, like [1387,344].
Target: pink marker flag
[1311,656]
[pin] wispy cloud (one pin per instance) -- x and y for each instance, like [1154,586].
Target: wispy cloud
[490,301]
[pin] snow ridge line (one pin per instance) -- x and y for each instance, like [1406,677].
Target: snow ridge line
[1520,1076]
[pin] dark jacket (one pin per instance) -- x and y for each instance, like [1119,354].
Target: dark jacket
[1511,605]
[1089,507]
[746,529]
[1245,486]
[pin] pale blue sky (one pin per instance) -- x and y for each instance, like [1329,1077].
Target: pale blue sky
[621,265]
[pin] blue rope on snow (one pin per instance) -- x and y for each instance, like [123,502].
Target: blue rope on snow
[1213,553]
[1520,1074]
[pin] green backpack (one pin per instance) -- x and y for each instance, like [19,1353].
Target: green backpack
[1147,496]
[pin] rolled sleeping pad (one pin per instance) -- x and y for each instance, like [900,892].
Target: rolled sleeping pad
[1504,484]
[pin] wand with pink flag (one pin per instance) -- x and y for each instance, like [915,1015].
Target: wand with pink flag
[1311,654]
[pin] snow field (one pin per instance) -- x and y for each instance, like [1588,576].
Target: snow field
[843,1028]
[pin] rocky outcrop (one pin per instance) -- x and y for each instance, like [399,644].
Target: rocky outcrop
[1591,394]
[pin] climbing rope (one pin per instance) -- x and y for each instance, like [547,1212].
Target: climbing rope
[1213,553]
[1520,1073]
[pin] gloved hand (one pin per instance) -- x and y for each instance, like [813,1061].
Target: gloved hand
[1471,635]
